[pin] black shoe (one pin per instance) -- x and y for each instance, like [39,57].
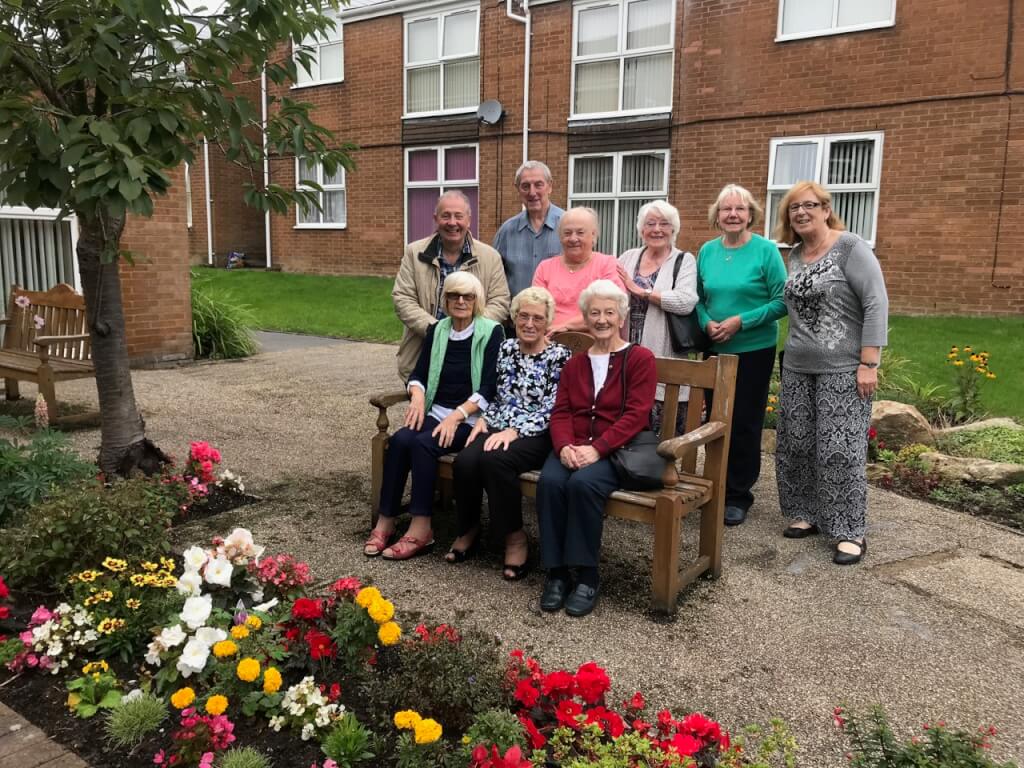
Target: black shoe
[796,532]
[735,515]
[455,556]
[845,558]
[581,601]
[510,572]
[553,596]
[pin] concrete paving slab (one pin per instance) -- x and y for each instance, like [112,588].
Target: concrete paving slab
[273,341]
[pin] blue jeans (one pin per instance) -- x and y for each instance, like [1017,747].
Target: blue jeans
[415,452]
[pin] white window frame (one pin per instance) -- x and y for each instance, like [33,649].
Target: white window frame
[834,29]
[621,55]
[333,37]
[343,187]
[440,61]
[615,194]
[823,143]
[440,182]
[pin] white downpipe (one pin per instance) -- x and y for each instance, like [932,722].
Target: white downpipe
[209,206]
[266,165]
[73,224]
[528,21]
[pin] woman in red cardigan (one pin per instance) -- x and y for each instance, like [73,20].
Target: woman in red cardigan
[604,400]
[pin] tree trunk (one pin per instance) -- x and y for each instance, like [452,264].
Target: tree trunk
[123,443]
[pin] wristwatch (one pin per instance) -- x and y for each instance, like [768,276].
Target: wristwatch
[869,365]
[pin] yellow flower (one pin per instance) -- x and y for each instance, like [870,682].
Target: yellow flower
[366,596]
[166,581]
[182,698]
[115,564]
[407,718]
[389,633]
[769,409]
[954,349]
[239,632]
[772,399]
[979,369]
[466,739]
[132,603]
[990,375]
[138,579]
[110,626]
[967,350]
[271,680]
[167,564]
[224,648]
[248,669]
[254,622]
[149,566]
[951,356]
[149,579]
[381,610]
[427,731]
[958,363]
[87,576]
[95,666]
[216,705]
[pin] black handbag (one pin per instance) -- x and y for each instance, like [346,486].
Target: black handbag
[637,463]
[684,331]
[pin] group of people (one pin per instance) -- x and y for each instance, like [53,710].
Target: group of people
[488,379]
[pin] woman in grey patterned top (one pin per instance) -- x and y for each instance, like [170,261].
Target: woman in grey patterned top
[838,318]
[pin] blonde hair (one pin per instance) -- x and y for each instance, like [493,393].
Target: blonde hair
[535,295]
[784,230]
[668,212]
[604,289]
[729,190]
[466,282]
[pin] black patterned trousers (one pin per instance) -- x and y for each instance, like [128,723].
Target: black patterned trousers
[821,451]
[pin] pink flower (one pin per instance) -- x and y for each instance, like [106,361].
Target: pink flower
[39,321]
[40,615]
[159,758]
[23,302]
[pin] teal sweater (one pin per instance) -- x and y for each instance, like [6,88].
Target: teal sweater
[746,281]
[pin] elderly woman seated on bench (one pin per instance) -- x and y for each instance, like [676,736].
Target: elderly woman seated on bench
[452,383]
[604,400]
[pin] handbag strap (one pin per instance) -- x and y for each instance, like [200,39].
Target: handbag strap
[625,359]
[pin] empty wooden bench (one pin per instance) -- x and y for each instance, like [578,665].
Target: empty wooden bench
[57,351]
[685,490]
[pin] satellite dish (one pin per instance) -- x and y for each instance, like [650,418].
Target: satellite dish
[490,112]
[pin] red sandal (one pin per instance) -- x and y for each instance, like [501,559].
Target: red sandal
[407,547]
[377,543]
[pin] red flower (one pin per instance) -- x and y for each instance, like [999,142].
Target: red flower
[537,739]
[701,727]
[320,645]
[526,694]
[872,433]
[665,721]
[637,702]
[608,721]
[591,683]
[5,612]
[422,631]
[641,725]
[567,712]
[348,585]
[684,744]
[557,685]
[307,608]
[4,591]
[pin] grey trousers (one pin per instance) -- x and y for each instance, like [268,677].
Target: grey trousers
[821,452]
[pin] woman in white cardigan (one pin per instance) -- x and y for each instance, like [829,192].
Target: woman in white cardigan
[659,278]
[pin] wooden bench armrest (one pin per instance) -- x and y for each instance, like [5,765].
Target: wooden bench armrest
[387,399]
[702,435]
[45,341]
[4,320]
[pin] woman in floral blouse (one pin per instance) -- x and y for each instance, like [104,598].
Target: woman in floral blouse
[512,438]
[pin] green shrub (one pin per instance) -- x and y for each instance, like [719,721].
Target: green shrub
[78,526]
[243,757]
[347,743]
[31,468]
[993,443]
[220,327]
[131,722]
[495,727]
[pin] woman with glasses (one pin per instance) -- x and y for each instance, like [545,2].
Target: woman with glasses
[513,437]
[452,383]
[838,318]
[740,277]
[659,279]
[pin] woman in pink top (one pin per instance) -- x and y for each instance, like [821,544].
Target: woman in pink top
[576,267]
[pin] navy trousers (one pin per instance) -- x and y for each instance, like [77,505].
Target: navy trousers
[415,452]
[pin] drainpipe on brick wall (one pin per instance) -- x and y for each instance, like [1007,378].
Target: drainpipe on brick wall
[528,21]
[266,164]
[209,213]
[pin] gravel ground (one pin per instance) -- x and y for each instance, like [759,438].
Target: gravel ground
[931,624]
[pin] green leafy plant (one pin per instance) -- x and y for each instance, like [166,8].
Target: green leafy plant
[759,747]
[992,443]
[410,754]
[220,326]
[128,724]
[932,400]
[587,747]
[1006,504]
[495,727]
[970,372]
[348,742]
[243,757]
[93,691]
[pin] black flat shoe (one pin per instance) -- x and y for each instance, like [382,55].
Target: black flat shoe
[796,532]
[455,556]
[845,558]
[735,515]
[511,572]
[581,601]
[553,597]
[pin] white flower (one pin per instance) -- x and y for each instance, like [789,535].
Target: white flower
[55,649]
[153,653]
[218,571]
[197,611]
[307,731]
[172,636]
[239,546]
[277,722]
[63,608]
[208,635]
[195,558]
[90,636]
[193,657]
[80,617]
[132,695]
[189,583]
[264,607]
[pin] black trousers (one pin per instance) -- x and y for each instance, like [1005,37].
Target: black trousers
[417,453]
[753,378]
[497,472]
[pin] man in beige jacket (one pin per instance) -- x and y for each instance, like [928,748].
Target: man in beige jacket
[425,265]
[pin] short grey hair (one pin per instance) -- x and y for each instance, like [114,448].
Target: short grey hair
[604,289]
[668,212]
[729,190]
[533,165]
[466,282]
[456,194]
[535,295]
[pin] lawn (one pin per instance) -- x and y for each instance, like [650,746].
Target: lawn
[360,308]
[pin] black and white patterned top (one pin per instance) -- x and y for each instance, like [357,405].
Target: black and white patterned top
[526,388]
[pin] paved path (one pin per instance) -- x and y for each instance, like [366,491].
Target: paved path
[24,746]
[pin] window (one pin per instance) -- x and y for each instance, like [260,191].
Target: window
[622,57]
[442,62]
[327,59]
[811,18]
[332,198]
[430,171]
[617,186]
[847,165]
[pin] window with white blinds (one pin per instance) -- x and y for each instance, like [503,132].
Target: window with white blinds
[847,165]
[811,18]
[442,62]
[622,57]
[617,186]
[320,60]
[333,213]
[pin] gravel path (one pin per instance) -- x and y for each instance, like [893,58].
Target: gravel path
[931,625]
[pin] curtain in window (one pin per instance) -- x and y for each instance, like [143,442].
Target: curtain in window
[422,41]
[423,165]
[643,173]
[592,175]
[597,87]
[648,24]
[857,210]
[795,162]
[332,61]
[597,31]
[35,254]
[308,170]
[460,34]
[422,201]
[799,16]
[462,83]
[460,164]
[424,89]
[850,162]
[774,198]
[647,82]
[334,207]
[311,216]
[853,12]
[627,235]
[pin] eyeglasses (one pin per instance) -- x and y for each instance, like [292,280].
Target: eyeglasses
[808,206]
[452,296]
[657,225]
[526,318]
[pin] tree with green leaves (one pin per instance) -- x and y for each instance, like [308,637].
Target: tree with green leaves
[101,99]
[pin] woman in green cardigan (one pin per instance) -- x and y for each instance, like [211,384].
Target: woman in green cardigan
[740,279]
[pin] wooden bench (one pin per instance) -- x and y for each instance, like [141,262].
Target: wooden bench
[59,351]
[684,492]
